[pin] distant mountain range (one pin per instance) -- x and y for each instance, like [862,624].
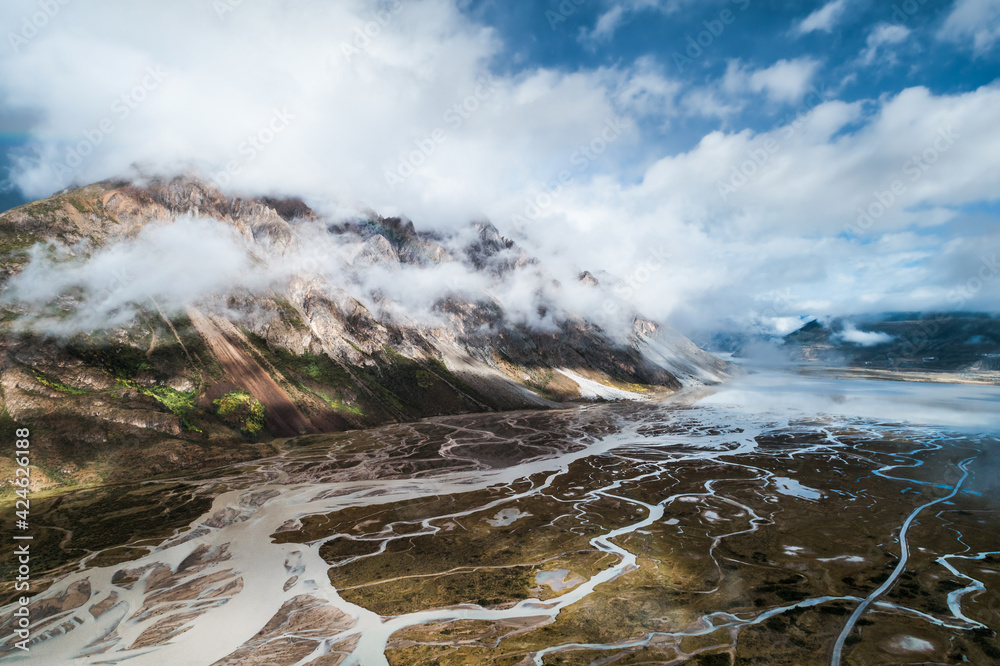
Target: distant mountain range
[939,342]
[119,377]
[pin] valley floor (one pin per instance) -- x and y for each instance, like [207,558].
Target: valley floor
[707,530]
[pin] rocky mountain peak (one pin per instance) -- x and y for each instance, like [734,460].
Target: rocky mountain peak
[314,347]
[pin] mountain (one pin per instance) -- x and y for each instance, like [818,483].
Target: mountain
[935,342]
[124,367]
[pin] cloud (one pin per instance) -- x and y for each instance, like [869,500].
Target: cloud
[352,109]
[607,24]
[620,12]
[883,34]
[863,338]
[406,112]
[823,19]
[786,81]
[172,264]
[169,266]
[648,92]
[978,20]
[780,209]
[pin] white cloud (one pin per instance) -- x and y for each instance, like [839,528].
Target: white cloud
[620,12]
[165,265]
[883,34]
[607,24]
[359,108]
[709,102]
[786,81]
[654,218]
[172,264]
[787,226]
[978,20]
[824,19]
[863,338]
[648,92]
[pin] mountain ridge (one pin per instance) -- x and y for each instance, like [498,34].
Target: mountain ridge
[963,342]
[162,384]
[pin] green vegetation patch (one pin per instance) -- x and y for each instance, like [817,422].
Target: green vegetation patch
[243,410]
[289,313]
[181,404]
[56,385]
[422,387]
[335,403]
[14,245]
[318,367]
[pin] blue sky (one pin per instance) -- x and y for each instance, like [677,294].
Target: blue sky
[807,159]
[544,33]
[761,34]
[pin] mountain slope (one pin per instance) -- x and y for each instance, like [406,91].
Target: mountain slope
[933,342]
[124,369]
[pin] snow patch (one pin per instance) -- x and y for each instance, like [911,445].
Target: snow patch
[595,390]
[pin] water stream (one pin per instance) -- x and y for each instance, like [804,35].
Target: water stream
[241,579]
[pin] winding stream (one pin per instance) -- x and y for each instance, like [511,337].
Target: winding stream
[710,501]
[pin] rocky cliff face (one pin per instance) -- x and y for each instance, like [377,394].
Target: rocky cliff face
[323,344]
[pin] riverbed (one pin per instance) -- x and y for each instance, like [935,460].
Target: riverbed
[782,519]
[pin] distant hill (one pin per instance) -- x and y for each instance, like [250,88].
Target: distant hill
[944,342]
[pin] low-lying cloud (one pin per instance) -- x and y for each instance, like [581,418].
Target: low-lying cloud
[855,336]
[173,264]
[71,290]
